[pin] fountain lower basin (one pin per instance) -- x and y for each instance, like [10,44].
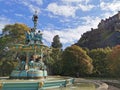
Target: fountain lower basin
[78,86]
[38,84]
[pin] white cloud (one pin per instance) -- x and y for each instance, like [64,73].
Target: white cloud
[71,35]
[91,21]
[86,7]
[76,1]
[19,15]
[3,22]
[64,10]
[109,8]
[38,2]
[107,15]
[66,36]
[113,6]
[72,1]
[31,5]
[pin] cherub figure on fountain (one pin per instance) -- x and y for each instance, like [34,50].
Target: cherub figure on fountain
[33,37]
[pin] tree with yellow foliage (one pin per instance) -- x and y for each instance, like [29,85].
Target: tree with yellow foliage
[76,62]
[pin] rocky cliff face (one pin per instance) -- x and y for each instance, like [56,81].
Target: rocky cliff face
[107,34]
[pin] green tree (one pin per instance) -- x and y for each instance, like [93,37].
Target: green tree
[100,62]
[55,56]
[16,35]
[16,32]
[76,61]
[56,42]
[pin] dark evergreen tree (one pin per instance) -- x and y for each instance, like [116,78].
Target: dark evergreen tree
[56,42]
[56,55]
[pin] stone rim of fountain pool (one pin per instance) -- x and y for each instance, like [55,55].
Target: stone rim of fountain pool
[100,85]
[56,81]
[34,84]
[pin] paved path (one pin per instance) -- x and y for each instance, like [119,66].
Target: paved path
[112,88]
[103,86]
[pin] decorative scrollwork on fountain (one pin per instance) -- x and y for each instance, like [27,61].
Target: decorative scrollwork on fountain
[41,84]
[1,85]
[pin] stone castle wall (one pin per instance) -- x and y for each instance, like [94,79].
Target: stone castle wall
[112,23]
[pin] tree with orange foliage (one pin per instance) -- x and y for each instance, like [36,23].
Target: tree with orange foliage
[114,61]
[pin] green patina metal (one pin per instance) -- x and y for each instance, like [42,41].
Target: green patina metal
[34,84]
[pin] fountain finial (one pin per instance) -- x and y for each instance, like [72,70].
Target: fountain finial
[35,20]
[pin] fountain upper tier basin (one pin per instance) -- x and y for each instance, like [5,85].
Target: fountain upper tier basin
[35,84]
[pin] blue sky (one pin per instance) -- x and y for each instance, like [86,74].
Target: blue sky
[67,18]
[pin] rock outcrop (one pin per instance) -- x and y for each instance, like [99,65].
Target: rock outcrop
[106,35]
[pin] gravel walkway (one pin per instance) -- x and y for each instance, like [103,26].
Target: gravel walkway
[112,88]
[103,86]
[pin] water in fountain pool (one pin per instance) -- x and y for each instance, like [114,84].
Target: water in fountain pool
[78,86]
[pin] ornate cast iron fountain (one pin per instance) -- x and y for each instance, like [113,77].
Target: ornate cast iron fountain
[31,65]
[31,72]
